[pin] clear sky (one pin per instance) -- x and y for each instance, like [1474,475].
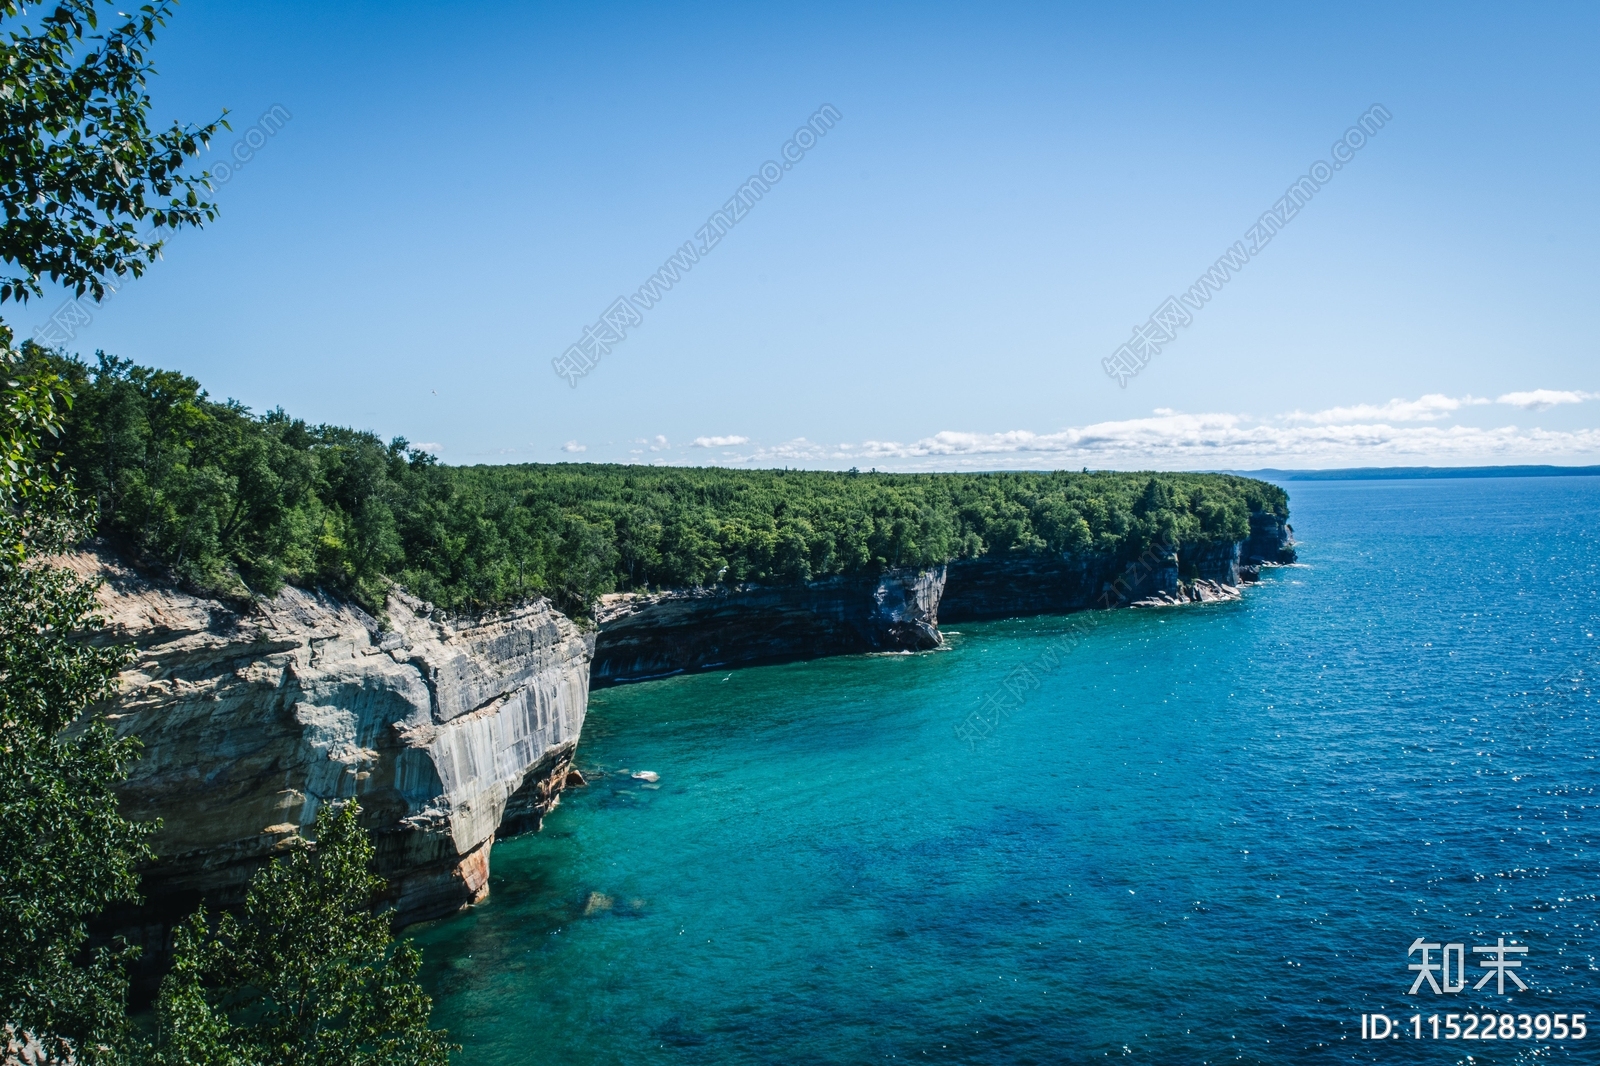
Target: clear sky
[1009,191]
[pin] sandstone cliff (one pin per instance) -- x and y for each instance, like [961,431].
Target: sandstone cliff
[653,634]
[1001,586]
[449,732]
[1271,540]
[251,720]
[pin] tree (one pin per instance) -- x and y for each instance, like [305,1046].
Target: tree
[307,975]
[67,852]
[226,502]
[80,167]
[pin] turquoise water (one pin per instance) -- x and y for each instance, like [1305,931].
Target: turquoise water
[1209,835]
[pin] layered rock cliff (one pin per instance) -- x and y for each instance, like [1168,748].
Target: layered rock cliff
[1002,586]
[250,721]
[451,732]
[1271,540]
[645,635]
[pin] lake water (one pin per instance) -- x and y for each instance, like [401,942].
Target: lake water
[1208,835]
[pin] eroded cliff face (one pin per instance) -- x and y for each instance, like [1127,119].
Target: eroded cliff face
[1017,584]
[646,635]
[1271,540]
[251,721]
[1004,586]
[449,733]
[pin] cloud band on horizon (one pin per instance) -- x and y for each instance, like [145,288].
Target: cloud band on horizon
[1363,434]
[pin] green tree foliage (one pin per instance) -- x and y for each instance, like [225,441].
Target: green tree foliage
[307,975]
[215,494]
[80,167]
[80,170]
[67,851]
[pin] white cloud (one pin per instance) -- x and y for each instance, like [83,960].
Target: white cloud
[717,442]
[572,447]
[1227,440]
[1541,399]
[798,450]
[1363,435]
[428,446]
[1429,408]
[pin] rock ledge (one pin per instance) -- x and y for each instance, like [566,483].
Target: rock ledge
[250,721]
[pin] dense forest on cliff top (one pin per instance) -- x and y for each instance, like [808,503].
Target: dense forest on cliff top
[224,500]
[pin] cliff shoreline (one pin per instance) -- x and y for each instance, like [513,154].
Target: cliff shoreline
[643,636]
[646,636]
[251,721]
[453,733]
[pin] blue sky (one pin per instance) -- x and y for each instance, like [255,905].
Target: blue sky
[1010,189]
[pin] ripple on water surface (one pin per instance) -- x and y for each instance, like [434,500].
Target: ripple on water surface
[1206,835]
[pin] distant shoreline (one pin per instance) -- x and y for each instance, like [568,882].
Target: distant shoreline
[1416,473]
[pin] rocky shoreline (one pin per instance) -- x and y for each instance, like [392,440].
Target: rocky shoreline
[651,635]
[452,732]
[250,722]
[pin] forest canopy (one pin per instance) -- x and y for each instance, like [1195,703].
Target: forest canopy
[229,502]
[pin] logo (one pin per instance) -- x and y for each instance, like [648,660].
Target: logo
[1449,973]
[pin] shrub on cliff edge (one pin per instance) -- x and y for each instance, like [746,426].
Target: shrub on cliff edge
[306,975]
[65,850]
[80,170]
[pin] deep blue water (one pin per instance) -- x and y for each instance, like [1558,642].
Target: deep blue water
[1210,834]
